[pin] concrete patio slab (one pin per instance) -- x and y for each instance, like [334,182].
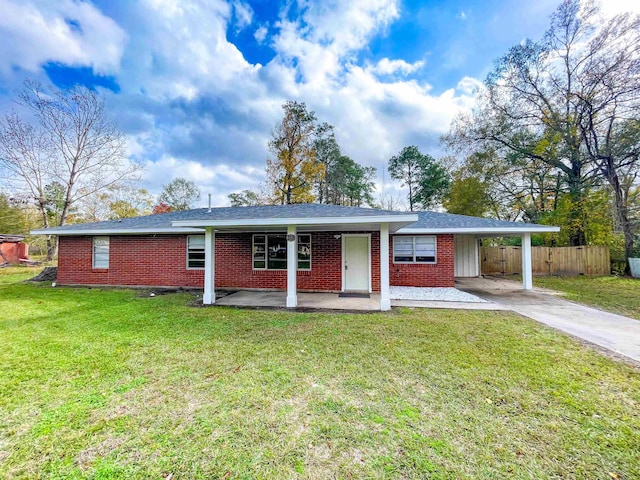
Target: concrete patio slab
[321,301]
[616,333]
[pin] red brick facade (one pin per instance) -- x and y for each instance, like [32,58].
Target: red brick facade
[160,260]
[439,274]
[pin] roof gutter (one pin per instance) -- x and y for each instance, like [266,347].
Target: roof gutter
[484,230]
[103,231]
[264,222]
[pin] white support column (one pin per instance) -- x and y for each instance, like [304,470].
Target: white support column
[209,296]
[385,301]
[527,273]
[292,267]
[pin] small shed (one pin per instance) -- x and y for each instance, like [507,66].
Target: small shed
[13,249]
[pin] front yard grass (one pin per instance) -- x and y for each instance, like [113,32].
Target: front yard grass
[614,294]
[113,384]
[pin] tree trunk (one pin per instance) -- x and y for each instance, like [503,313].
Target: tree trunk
[577,236]
[622,212]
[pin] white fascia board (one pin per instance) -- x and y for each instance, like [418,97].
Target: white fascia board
[113,231]
[482,231]
[263,222]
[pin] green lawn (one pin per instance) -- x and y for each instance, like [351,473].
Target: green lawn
[111,384]
[614,294]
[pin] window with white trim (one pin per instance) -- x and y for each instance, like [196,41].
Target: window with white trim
[418,249]
[195,252]
[100,252]
[269,252]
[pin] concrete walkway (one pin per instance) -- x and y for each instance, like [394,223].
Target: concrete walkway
[615,333]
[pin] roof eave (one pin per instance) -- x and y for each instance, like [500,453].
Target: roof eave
[482,230]
[112,231]
[265,222]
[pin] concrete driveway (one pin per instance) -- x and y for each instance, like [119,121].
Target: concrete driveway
[612,332]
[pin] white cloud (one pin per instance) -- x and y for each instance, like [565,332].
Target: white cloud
[614,7]
[389,67]
[71,32]
[194,107]
[243,14]
[261,34]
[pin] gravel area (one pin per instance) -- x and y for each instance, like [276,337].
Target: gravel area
[433,294]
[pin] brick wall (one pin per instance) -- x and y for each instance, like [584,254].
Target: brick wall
[145,260]
[439,274]
[160,260]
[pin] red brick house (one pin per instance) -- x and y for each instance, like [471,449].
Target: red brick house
[335,249]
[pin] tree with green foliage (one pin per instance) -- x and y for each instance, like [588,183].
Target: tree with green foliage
[327,153]
[245,198]
[179,194]
[13,219]
[426,180]
[349,183]
[467,196]
[293,170]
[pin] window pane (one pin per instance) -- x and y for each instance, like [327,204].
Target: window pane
[425,259]
[425,240]
[421,249]
[100,252]
[258,239]
[403,249]
[304,265]
[277,264]
[277,251]
[195,242]
[259,264]
[304,252]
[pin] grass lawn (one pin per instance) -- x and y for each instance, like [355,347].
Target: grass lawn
[111,384]
[614,294]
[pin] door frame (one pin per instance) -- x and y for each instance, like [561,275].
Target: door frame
[344,256]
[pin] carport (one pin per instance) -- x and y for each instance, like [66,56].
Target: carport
[467,232]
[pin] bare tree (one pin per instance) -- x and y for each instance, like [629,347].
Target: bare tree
[71,142]
[561,102]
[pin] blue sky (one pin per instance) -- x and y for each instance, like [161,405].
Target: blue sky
[197,86]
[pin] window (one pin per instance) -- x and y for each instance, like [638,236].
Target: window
[195,251]
[270,252]
[100,252]
[421,249]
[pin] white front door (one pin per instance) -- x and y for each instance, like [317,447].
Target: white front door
[355,269]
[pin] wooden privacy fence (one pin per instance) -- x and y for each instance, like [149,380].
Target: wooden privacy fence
[562,261]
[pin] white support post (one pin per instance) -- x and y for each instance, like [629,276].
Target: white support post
[527,273]
[385,301]
[292,266]
[209,296]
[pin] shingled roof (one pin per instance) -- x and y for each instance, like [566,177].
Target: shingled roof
[436,220]
[279,214]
